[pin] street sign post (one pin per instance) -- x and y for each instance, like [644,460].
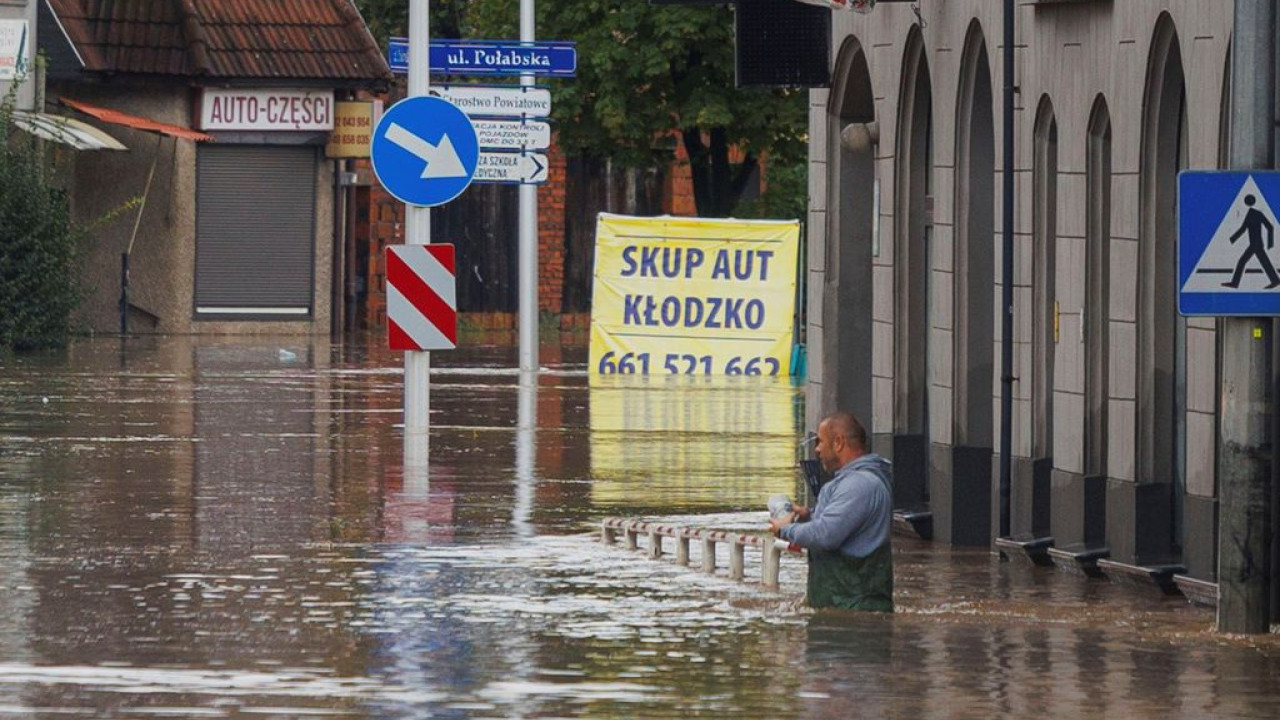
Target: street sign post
[512,134]
[490,57]
[1227,233]
[512,101]
[515,168]
[425,151]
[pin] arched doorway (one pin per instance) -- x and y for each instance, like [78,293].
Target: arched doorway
[960,494]
[1032,480]
[913,183]
[1147,523]
[1097,326]
[1200,510]
[844,368]
[1078,523]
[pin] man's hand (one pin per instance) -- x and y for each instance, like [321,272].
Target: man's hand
[776,524]
[802,514]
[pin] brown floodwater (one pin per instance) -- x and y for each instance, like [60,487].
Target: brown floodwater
[224,529]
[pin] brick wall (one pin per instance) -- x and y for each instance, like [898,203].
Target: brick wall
[386,227]
[678,193]
[551,198]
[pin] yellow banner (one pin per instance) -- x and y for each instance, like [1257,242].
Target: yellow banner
[691,296]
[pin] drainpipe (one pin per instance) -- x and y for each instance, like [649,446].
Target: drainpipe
[1006,279]
[337,274]
[1244,461]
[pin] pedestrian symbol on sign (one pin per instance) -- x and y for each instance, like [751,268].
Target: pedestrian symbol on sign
[1254,222]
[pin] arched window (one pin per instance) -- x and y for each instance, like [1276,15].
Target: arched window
[1161,332]
[843,372]
[1097,325]
[974,355]
[913,183]
[1044,301]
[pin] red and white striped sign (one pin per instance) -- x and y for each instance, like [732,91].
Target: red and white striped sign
[422,308]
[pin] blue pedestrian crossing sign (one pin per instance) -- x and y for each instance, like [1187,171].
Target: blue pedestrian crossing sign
[425,151]
[1227,243]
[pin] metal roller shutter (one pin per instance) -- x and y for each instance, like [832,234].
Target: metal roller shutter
[255,231]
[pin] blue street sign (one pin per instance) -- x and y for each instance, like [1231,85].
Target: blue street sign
[490,57]
[425,151]
[1227,236]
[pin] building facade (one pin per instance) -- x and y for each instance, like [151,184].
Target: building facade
[1115,418]
[225,108]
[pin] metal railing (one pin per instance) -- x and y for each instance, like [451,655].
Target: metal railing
[631,530]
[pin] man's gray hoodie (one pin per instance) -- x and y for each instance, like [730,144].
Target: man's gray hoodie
[854,512]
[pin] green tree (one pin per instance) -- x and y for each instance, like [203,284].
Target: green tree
[39,248]
[649,77]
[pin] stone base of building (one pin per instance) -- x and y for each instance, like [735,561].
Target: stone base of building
[960,495]
[1079,509]
[1138,522]
[910,472]
[1200,522]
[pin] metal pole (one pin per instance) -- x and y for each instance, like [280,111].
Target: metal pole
[350,319]
[137,223]
[124,293]
[1244,461]
[528,251]
[1006,279]
[337,289]
[417,364]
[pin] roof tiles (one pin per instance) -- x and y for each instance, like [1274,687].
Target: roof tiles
[261,39]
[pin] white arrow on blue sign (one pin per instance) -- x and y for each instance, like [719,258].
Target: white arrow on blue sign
[425,151]
[1227,233]
[520,168]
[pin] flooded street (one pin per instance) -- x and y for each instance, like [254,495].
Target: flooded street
[223,528]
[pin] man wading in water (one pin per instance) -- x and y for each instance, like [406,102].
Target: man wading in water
[847,534]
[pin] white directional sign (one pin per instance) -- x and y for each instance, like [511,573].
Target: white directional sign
[500,167]
[497,101]
[512,134]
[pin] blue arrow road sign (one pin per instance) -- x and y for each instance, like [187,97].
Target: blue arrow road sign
[1227,243]
[425,151]
[490,57]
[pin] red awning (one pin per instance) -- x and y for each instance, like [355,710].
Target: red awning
[139,123]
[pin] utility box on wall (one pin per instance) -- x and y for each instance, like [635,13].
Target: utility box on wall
[782,44]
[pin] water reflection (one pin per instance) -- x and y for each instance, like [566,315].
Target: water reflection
[680,442]
[526,444]
[224,528]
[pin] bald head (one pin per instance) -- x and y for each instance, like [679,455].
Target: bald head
[841,439]
[845,425]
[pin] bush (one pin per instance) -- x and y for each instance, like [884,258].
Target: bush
[39,246]
[786,192]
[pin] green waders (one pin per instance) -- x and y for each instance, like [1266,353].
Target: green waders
[852,583]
